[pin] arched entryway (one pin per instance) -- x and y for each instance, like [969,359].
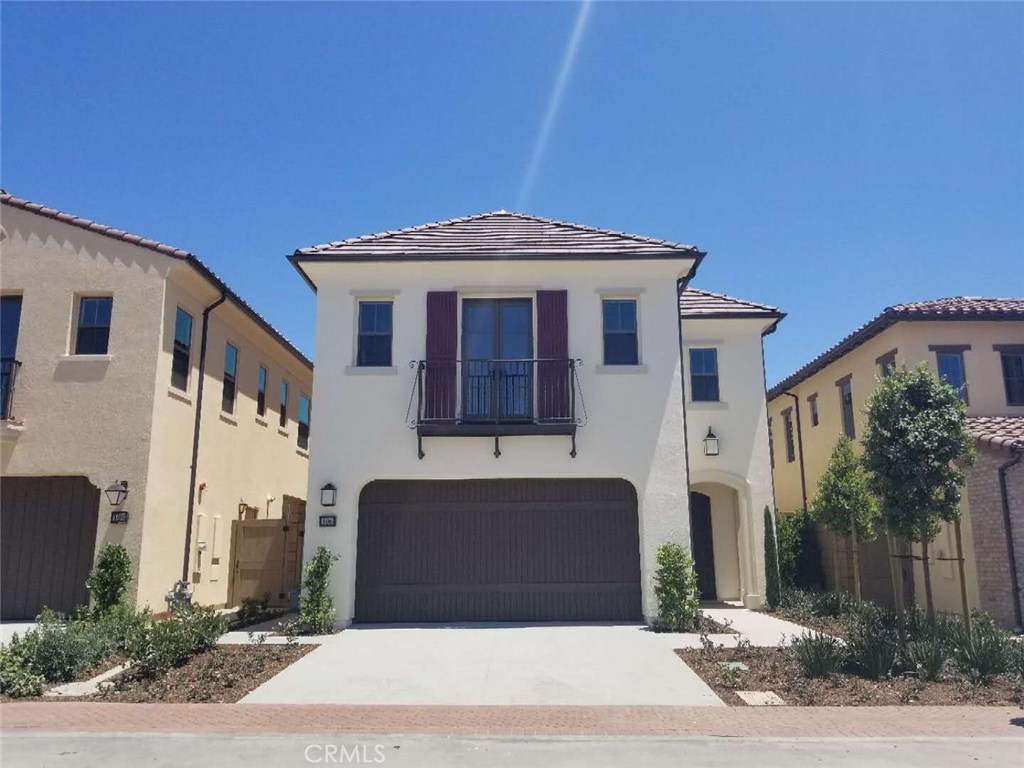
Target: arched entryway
[702,544]
[715,535]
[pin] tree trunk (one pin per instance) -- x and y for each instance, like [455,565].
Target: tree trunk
[856,564]
[929,602]
[896,571]
[835,562]
[963,577]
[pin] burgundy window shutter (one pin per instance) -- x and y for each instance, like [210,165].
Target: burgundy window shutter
[553,382]
[439,386]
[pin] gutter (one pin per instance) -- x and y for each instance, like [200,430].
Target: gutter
[195,434]
[681,284]
[1011,555]
[800,445]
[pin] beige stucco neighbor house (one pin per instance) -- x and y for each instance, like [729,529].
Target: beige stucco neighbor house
[539,406]
[977,345]
[129,366]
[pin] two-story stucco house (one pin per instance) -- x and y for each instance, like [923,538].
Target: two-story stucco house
[144,403]
[975,344]
[514,413]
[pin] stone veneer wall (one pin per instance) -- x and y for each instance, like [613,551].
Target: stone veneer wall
[994,584]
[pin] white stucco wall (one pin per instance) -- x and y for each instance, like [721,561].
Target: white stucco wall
[635,429]
[739,421]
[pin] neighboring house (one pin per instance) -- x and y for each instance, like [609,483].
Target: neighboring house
[501,424]
[977,345]
[108,340]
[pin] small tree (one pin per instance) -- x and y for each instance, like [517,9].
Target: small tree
[844,504]
[675,586]
[773,585]
[316,606]
[915,447]
[109,579]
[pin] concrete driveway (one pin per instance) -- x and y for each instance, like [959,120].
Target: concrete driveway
[571,664]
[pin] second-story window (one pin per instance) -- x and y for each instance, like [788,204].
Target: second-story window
[771,443]
[621,345]
[886,363]
[283,413]
[1012,358]
[261,392]
[950,363]
[846,406]
[304,417]
[373,347]
[227,402]
[787,421]
[180,363]
[93,335]
[704,375]
[812,402]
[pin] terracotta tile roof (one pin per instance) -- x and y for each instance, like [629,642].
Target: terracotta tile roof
[697,303]
[1006,432]
[102,229]
[953,308]
[496,235]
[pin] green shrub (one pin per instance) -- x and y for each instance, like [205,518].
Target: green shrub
[982,651]
[799,552]
[316,606]
[16,677]
[675,586]
[873,641]
[60,650]
[109,579]
[158,646]
[832,605]
[818,654]
[252,610]
[926,658]
[773,586]
[797,602]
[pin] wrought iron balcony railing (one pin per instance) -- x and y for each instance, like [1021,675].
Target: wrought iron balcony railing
[9,368]
[496,398]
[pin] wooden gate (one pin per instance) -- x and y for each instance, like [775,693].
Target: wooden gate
[47,541]
[266,555]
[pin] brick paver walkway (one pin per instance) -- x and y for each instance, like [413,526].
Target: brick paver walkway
[38,717]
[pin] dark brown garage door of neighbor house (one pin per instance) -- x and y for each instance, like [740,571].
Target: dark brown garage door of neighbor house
[498,550]
[47,540]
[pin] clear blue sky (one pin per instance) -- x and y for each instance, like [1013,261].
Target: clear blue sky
[832,159]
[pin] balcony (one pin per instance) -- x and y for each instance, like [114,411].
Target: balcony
[496,398]
[11,427]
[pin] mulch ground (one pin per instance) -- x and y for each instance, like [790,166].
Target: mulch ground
[222,676]
[828,625]
[775,669]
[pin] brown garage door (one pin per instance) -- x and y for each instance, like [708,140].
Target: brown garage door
[47,539]
[498,550]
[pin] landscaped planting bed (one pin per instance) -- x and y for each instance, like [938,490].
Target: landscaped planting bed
[865,654]
[776,669]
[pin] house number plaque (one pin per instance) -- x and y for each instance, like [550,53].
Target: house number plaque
[328,521]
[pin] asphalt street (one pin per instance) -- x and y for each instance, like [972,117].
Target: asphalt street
[132,751]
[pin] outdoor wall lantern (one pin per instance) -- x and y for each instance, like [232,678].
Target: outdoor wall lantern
[710,444]
[117,492]
[329,495]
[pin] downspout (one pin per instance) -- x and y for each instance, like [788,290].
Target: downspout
[1011,556]
[195,435]
[800,446]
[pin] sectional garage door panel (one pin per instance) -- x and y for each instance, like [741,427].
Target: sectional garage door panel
[47,539]
[498,550]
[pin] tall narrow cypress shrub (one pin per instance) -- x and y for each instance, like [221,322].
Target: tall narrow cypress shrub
[773,587]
